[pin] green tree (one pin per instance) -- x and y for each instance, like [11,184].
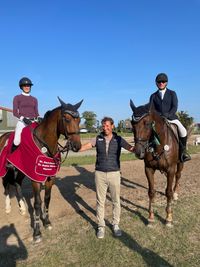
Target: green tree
[90,119]
[187,121]
[120,126]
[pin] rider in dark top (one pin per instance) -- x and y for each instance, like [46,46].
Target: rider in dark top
[165,102]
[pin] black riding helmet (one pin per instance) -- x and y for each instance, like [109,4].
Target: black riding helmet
[25,81]
[161,77]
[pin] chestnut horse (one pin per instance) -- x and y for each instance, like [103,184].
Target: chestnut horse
[158,145]
[63,120]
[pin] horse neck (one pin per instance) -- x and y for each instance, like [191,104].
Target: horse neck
[161,127]
[48,131]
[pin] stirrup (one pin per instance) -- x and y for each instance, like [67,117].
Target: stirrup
[9,165]
[185,157]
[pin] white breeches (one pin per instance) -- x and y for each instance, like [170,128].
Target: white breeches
[181,129]
[19,127]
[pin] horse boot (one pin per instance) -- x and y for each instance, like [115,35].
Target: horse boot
[184,156]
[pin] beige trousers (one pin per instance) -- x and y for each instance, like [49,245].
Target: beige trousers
[105,181]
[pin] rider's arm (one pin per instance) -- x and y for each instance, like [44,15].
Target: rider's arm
[15,107]
[174,105]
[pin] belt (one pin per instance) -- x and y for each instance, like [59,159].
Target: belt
[31,119]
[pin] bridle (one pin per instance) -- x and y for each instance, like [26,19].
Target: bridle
[67,146]
[145,143]
[74,114]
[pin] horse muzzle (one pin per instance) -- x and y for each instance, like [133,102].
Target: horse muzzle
[74,146]
[140,150]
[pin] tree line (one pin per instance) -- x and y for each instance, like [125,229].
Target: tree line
[92,124]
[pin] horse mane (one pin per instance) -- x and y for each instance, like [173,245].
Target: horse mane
[141,111]
[48,113]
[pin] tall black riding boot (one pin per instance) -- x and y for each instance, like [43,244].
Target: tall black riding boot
[13,148]
[184,156]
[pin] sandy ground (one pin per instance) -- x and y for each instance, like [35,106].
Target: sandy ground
[74,195]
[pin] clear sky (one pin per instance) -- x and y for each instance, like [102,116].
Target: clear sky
[102,51]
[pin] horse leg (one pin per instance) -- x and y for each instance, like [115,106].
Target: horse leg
[169,195]
[19,176]
[177,178]
[6,186]
[37,207]
[7,200]
[47,198]
[151,192]
[21,202]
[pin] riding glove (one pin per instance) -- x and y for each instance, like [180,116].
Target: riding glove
[27,121]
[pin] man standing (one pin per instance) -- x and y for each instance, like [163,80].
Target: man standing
[107,172]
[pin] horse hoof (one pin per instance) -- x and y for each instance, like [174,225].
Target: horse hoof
[22,212]
[8,210]
[49,227]
[175,196]
[150,224]
[37,239]
[169,224]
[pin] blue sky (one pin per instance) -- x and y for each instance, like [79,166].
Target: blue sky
[102,51]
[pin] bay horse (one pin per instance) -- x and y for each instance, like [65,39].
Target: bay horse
[63,120]
[157,144]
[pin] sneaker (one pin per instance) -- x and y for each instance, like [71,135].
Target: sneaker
[100,232]
[116,230]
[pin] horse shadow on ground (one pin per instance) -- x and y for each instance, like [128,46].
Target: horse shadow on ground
[133,185]
[149,257]
[70,184]
[126,182]
[11,253]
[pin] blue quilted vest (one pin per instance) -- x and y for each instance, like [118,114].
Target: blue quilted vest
[109,161]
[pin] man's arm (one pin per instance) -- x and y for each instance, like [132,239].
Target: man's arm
[86,146]
[127,146]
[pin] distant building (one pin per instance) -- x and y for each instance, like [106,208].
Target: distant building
[7,120]
[196,127]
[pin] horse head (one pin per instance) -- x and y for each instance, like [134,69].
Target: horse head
[70,124]
[142,128]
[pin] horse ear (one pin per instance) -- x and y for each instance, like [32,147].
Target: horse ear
[133,107]
[77,106]
[151,106]
[63,104]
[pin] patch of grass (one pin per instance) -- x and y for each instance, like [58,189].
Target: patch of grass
[193,149]
[87,160]
[76,244]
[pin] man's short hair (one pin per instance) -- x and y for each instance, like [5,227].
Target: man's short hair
[107,119]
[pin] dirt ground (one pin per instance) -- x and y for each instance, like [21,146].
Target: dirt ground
[74,195]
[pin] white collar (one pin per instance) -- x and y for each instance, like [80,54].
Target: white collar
[26,94]
[162,92]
